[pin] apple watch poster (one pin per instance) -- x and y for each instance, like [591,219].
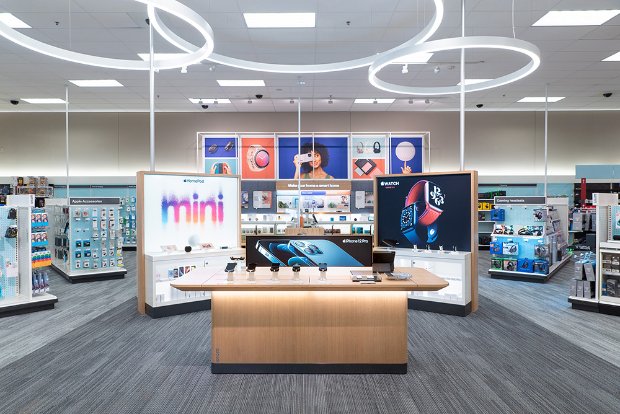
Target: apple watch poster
[220,155]
[429,210]
[335,251]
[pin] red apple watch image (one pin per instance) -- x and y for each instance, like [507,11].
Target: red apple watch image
[422,209]
[258,158]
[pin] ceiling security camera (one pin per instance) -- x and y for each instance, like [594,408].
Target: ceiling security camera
[14,101]
[259,96]
[204,106]
[479,105]
[607,94]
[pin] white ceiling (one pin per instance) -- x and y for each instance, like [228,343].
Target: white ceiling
[571,56]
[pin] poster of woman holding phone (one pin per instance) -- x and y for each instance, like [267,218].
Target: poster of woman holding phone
[321,158]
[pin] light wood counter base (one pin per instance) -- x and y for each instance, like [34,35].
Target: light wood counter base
[337,326]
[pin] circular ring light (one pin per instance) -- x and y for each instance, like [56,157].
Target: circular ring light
[182,44]
[472,42]
[171,6]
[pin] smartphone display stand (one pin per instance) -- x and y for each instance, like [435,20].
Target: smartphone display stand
[274,276]
[230,276]
[296,277]
[251,277]
[322,276]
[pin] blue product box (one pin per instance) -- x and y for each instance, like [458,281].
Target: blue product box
[541,266]
[498,214]
[525,265]
[495,247]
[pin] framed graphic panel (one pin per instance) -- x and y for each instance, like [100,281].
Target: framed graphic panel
[220,154]
[406,154]
[321,157]
[258,158]
[368,154]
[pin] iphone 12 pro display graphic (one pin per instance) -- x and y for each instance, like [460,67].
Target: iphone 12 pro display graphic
[336,251]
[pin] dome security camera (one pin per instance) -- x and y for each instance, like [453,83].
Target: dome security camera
[607,94]
[259,96]
[204,106]
[14,101]
[479,105]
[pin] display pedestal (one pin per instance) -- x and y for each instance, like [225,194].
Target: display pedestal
[308,326]
[527,276]
[92,275]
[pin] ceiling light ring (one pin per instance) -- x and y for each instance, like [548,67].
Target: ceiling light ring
[170,6]
[471,42]
[184,45]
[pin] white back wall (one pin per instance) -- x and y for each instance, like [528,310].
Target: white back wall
[116,144]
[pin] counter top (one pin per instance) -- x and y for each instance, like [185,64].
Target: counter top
[338,279]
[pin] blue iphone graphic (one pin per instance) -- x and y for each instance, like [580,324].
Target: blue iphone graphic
[323,251]
[278,251]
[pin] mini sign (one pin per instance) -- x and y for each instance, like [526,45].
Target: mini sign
[525,200]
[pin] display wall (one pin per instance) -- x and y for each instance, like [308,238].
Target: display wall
[497,143]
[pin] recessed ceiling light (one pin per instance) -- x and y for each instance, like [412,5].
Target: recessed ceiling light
[576,17]
[613,58]
[279,20]
[540,99]
[44,101]
[414,59]
[13,22]
[473,81]
[209,100]
[160,56]
[241,82]
[96,83]
[374,101]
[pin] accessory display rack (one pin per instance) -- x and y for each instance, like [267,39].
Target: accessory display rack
[602,292]
[24,285]
[530,242]
[127,196]
[87,238]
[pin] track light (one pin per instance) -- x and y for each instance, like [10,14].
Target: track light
[184,69]
[375,102]
[405,69]
[437,70]
[292,101]
[250,101]
[215,102]
[427,101]
[330,101]
[211,68]
[410,101]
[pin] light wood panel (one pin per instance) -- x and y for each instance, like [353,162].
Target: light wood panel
[309,327]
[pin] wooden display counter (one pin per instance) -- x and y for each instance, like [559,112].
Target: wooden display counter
[308,326]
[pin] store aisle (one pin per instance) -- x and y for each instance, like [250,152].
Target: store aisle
[547,306]
[77,305]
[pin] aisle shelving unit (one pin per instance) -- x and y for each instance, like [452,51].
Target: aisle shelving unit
[87,238]
[540,250]
[605,297]
[24,283]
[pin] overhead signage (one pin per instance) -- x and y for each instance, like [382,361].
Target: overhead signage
[313,185]
[525,200]
[93,201]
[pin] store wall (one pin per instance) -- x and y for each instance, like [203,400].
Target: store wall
[497,143]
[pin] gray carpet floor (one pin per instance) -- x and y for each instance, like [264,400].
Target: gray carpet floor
[116,361]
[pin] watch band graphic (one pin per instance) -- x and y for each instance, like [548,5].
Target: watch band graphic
[422,209]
